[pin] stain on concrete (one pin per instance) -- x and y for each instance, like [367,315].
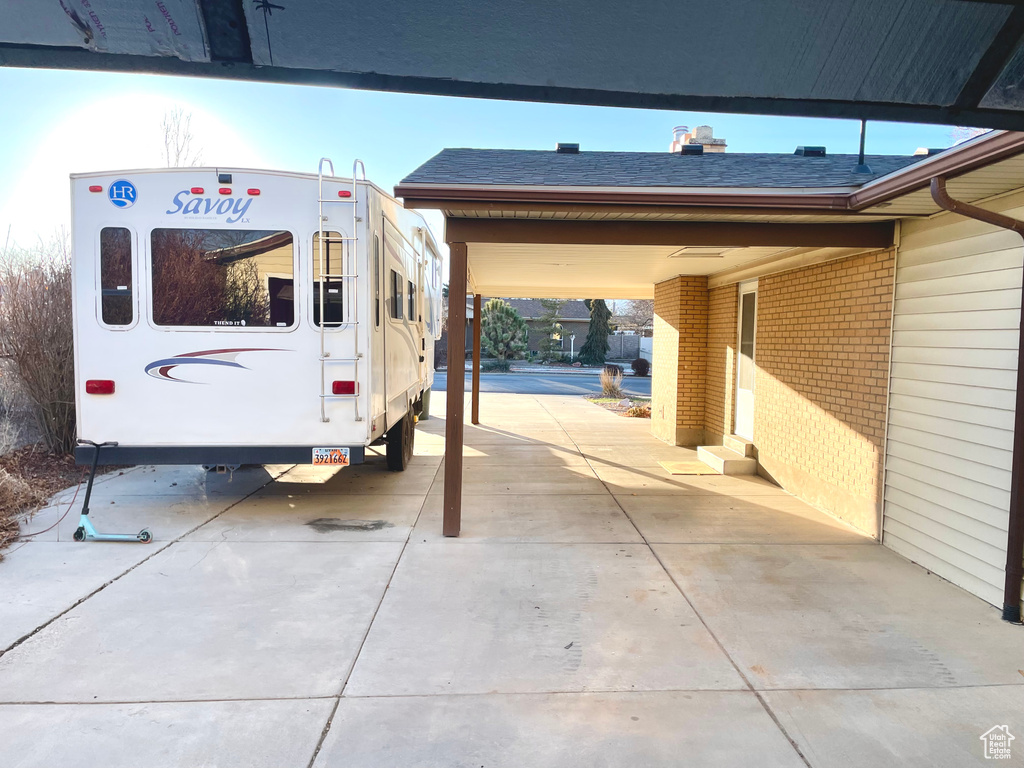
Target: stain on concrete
[334,524]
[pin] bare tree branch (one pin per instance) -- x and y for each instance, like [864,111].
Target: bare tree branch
[179,148]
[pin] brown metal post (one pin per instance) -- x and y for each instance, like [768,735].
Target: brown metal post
[456,389]
[476,359]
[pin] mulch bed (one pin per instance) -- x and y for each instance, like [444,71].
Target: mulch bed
[613,403]
[29,476]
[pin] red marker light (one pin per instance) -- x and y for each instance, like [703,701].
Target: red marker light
[197,190]
[225,190]
[253,191]
[95,188]
[99,387]
[344,193]
[343,387]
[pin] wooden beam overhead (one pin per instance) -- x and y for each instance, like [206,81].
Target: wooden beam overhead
[671,233]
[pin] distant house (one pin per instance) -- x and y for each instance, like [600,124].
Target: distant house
[573,316]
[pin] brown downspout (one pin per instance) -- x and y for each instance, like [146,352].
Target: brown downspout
[1015,532]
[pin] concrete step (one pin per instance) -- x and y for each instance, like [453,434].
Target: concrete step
[741,445]
[726,460]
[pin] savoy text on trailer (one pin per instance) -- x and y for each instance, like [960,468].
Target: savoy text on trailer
[227,316]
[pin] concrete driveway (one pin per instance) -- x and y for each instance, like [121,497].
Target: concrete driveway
[595,612]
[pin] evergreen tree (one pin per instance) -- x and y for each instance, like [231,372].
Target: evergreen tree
[548,325]
[503,332]
[595,348]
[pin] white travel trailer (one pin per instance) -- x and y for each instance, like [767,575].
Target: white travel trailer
[225,316]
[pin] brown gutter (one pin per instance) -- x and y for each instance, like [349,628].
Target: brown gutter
[1015,532]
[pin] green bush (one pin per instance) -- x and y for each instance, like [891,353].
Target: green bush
[641,366]
[503,332]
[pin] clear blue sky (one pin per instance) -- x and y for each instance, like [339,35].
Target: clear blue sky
[59,122]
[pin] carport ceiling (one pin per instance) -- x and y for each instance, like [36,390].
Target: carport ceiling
[942,61]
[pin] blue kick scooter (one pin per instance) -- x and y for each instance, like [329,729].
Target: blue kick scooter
[85,531]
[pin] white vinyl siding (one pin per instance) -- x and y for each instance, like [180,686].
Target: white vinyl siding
[952,395]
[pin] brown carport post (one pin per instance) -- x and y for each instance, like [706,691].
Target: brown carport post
[456,389]
[475,409]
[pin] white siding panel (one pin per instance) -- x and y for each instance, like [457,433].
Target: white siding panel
[1002,399]
[929,554]
[972,358]
[974,263]
[959,430]
[991,319]
[952,396]
[953,465]
[950,374]
[959,284]
[944,481]
[974,414]
[951,339]
[965,541]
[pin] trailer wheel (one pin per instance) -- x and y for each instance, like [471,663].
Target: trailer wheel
[400,441]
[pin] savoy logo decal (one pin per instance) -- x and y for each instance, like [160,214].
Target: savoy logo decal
[207,207]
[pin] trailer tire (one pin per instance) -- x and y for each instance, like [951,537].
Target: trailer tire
[400,443]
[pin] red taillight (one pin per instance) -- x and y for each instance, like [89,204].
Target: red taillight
[99,387]
[253,191]
[95,188]
[343,387]
[197,190]
[344,193]
[225,190]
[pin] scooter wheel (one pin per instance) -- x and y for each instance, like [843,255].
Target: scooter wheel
[79,534]
[145,536]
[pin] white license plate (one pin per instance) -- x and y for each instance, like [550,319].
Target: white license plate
[333,457]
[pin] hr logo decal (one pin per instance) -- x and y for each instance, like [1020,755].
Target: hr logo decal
[122,193]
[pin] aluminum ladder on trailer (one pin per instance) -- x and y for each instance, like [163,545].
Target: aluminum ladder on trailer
[349,288]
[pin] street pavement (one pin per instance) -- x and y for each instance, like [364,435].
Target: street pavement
[547,384]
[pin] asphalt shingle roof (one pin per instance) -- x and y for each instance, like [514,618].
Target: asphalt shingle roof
[515,167]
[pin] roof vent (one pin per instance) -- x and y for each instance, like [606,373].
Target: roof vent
[567,149]
[928,151]
[691,149]
[810,151]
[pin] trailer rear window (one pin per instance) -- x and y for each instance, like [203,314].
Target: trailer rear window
[116,304]
[396,295]
[223,277]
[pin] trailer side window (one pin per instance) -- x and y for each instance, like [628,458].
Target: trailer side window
[223,277]
[396,295]
[334,264]
[412,302]
[116,304]
[376,281]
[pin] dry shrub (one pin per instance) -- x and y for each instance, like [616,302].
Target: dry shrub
[639,412]
[611,381]
[36,333]
[16,496]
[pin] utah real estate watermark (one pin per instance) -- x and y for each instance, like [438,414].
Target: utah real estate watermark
[997,742]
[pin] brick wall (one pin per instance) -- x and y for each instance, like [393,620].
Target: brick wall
[680,359]
[822,357]
[720,388]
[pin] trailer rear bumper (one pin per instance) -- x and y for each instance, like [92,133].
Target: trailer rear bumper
[212,455]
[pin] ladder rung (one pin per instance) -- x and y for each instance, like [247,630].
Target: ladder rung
[348,200]
[337,240]
[340,359]
[339,397]
[338,277]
